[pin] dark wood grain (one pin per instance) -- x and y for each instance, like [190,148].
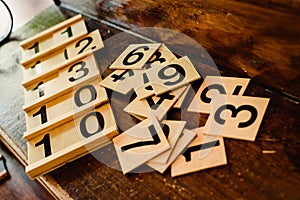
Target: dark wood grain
[259,39]
[19,185]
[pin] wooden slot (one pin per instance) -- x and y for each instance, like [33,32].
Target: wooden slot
[53,39]
[70,141]
[44,66]
[64,81]
[64,108]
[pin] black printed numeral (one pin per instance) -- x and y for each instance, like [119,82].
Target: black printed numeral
[121,77]
[162,97]
[88,41]
[43,113]
[179,73]
[68,31]
[40,88]
[221,90]
[234,113]
[218,87]
[189,150]
[92,91]
[138,56]
[82,69]
[46,142]
[35,47]
[155,140]
[83,128]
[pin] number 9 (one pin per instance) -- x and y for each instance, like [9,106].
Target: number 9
[180,73]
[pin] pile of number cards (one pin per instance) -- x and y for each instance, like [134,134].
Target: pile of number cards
[68,113]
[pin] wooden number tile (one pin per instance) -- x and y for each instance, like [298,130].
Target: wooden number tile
[61,82]
[140,82]
[92,41]
[172,75]
[138,117]
[181,100]
[204,152]
[135,56]
[184,140]
[172,130]
[70,141]
[45,65]
[71,31]
[53,38]
[155,105]
[211,87]
[140,143]
[118,81]
[64,108]
[239,117]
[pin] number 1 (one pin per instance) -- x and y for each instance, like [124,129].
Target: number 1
[46,142]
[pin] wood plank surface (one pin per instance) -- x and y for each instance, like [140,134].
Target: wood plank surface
[268,168]
[247,38]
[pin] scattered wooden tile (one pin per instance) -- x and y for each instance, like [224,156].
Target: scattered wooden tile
[211,87]
[172,130]
[140,143]
[179,103]
[135,56]
[155,105]
[184,140]
[140,82]
[118,81]
[237,117]
[204,152]
[169,76]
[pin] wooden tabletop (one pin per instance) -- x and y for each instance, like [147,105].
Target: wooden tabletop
[231,32]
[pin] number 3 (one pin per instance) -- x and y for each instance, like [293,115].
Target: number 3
[235,112]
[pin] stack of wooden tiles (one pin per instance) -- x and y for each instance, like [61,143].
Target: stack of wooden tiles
[67,111]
